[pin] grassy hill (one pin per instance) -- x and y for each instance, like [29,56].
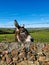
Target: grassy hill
[39,34]
[6,30]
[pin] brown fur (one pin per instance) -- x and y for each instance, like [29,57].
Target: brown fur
[21,33]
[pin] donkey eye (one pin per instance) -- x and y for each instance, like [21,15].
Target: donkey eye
[23,31]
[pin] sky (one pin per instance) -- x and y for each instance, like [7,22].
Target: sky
[31,13]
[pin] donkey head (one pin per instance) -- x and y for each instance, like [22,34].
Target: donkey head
[21,33]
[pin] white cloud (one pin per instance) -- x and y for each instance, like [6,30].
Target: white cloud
[37,25]
[9,24]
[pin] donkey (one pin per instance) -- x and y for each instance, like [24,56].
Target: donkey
[21,33]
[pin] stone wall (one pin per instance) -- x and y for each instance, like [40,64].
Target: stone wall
[24,53]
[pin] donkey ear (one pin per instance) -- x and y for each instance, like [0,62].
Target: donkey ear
[16,24]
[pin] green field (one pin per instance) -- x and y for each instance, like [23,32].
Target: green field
[7,37]
[39,35]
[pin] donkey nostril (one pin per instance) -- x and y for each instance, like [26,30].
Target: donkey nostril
[32,39]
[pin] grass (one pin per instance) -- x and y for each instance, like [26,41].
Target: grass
[6,37]
[40,35]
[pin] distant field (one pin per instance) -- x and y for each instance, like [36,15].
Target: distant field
[39,35]
[6,37]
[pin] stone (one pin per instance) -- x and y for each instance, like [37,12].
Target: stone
[14,52]
[24,54]
[8,58]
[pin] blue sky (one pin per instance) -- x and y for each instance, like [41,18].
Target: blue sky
[32,13]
